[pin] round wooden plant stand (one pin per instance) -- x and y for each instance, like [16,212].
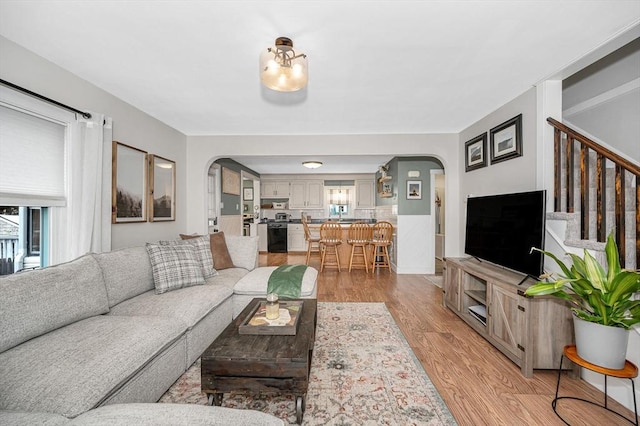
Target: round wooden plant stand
[629,371]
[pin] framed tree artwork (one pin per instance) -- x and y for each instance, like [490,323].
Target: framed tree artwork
[162,189]
[129,184]
[506,140]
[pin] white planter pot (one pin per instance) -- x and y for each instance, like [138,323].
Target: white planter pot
[601,344]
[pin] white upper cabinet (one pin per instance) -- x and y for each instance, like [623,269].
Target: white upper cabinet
[365,194]
[307,194]
[274,189]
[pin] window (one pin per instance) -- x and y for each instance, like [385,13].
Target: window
[33,159]
[33,231]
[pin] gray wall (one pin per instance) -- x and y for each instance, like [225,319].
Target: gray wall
[130,126]
[604,99]
[514,175]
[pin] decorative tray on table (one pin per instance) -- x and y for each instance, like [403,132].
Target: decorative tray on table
[286,324]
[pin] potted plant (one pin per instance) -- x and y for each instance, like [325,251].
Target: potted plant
[601,301]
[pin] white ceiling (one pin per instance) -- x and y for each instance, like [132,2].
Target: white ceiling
[388,67]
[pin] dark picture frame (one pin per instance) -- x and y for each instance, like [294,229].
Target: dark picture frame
[475,153]
[162,189]
[128,184]
[506,140]
[414,190]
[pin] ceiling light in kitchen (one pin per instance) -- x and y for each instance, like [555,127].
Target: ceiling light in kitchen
[312,164]
[281,69]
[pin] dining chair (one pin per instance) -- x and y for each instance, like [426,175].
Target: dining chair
[313,241]
[359,237]
[381,240]
[330,239]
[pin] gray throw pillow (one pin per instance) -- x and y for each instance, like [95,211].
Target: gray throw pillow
[174,266]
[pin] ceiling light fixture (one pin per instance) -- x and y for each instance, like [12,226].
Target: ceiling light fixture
[312,164]
[281,69]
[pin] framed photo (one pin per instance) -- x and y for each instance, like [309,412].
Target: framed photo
[506,140]
[162,189]
[248,194]
[475,153]
[414,190]
[230,181]
[129,184]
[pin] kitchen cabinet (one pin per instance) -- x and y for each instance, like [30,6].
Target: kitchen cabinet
[274,189]
[365,194]
[295,238]
[490,299]
[306,194]
[262,237]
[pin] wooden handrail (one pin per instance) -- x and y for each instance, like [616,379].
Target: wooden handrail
[621,166]
[610,155]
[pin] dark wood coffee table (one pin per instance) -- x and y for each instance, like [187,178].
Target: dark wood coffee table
[261,363]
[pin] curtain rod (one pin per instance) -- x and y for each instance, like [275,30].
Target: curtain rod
[44,98]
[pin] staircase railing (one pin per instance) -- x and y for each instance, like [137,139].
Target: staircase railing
[565,140]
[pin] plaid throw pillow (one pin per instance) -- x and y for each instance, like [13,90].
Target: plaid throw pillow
[202,245]
[174,266]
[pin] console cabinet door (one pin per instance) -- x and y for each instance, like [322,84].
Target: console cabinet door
[451,286]
[506,323]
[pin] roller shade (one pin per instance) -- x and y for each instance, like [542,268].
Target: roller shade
[32,159]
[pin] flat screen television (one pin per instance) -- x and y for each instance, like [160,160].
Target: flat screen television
[502,229]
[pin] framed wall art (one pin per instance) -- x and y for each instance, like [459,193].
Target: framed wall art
[162,189]
[414,190]
[475,153]
[506,140]
[129,184]
[230,181]
[248,194]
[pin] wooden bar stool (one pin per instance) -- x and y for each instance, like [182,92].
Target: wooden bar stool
[330,239]
[381,240]
[359,237]
[629,371]
[313,241]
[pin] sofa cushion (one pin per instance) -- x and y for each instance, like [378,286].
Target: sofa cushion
[228,277]
[255,282]
[74,368]
[188,305]
[220,252]
[174,266]
[173,414]
[243,251]
[126,272]
[203,252]
[22,418]
[35,302]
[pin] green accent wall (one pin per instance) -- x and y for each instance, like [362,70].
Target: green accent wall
[398,169]
[233,203]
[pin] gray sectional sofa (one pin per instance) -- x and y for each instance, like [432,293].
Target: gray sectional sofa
[94,333]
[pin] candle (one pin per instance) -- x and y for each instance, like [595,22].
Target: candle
[273,307]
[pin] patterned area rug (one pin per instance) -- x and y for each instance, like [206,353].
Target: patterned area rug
[363,372]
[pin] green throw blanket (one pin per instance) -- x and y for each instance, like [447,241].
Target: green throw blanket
[286,281]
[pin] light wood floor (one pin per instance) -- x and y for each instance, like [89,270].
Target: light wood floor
[479,384]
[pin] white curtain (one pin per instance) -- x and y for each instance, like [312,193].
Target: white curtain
[87,217]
